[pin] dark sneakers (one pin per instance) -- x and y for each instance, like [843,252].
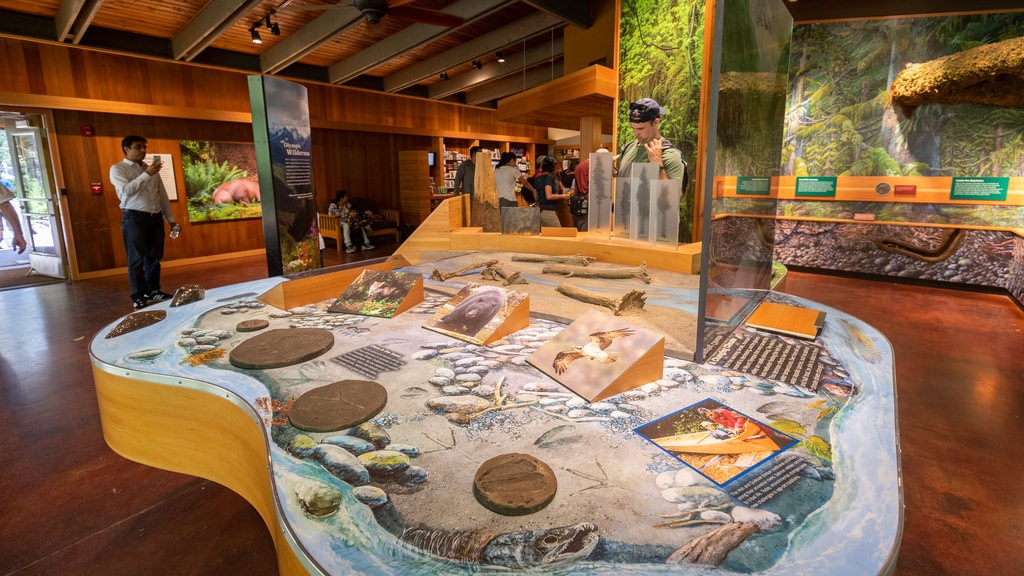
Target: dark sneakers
[150,298]
[158,296]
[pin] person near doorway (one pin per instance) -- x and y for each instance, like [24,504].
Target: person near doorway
[466,174]
[11,216]
[144,207]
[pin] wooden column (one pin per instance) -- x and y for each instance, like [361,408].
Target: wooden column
[590,135]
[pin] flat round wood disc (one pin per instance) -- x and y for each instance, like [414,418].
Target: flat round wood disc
[514,484]
[254,325]
[281,347]
[338,406]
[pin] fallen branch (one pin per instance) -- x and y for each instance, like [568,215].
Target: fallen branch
[633,300]
[610,273]
[496,273]
[575,259]
[442,276]
[711,549]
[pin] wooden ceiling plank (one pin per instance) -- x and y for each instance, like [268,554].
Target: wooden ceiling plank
[408,39]
[508,34]
[211,21]
[318,32]
[534,56]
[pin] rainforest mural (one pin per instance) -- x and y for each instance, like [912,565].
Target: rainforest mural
[660,50]
[839,121]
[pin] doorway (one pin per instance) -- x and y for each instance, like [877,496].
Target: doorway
[26,170]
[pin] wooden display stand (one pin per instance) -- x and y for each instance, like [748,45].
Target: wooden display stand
[599,356]
[382,293]
[482,314]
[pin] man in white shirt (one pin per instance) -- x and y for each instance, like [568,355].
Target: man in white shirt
[144,207]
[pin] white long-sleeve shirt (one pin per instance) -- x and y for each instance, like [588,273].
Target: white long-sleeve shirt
[137,190]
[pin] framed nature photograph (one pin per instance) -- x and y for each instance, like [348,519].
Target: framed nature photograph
[220,180]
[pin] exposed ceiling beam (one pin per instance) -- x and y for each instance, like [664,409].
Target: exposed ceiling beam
[216,17]
[576,12]
[64,19]
[310,37]
[500,38]
[407,39]
[73,17]
[533,56]
[531,79]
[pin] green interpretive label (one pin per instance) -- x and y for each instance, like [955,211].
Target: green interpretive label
[981,188]
[753,185]
[816,186]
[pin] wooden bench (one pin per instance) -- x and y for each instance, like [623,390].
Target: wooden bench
[389,215]
[330,228]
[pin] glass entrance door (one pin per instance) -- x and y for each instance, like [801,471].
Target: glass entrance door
[35,200]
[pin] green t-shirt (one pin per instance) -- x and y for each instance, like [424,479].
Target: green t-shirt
[671,158]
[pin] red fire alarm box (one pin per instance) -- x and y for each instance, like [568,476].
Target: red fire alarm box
[96,187]
[87,130]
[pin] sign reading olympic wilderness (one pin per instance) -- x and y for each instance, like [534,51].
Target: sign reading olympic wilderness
[280,124]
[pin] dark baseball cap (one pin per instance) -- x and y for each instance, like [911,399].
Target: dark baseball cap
[645,110]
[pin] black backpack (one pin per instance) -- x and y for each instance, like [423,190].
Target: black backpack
[578,204]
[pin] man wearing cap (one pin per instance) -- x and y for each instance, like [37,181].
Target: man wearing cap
[644,117]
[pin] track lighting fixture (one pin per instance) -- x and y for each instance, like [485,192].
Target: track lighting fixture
[478,64]
[501,57]
[272,27]
[444,75]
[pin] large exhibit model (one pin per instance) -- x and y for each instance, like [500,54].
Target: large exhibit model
[381,444]
[581,405]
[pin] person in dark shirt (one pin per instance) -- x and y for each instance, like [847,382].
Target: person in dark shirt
[466,173]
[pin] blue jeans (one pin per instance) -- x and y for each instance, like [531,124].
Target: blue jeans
[144,244]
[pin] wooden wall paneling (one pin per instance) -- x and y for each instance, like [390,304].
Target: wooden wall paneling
[14,66]
[415,186]
[97,218]
[359,133]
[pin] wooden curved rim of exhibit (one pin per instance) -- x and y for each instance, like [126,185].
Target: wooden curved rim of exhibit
[198,429]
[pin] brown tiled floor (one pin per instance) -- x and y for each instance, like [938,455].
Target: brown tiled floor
[69,505]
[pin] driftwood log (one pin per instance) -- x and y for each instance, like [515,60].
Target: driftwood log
[574,260]
[633,300]
[610,273]
[711,549]
[495,272]
[990,74]
[442,276]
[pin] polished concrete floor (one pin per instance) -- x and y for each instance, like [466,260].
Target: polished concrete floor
[69,505]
